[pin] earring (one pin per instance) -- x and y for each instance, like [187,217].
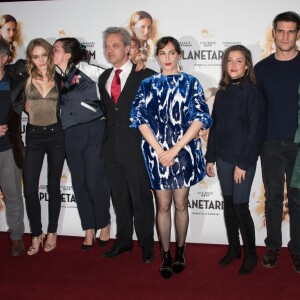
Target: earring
[179,64]
[158,64]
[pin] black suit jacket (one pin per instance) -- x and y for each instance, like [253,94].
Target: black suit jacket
[121,143]
[18,76]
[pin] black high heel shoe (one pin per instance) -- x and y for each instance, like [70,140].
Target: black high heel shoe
[166,265]
[85,247]
[102,243]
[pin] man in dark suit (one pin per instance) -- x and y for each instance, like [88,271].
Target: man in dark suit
[124,163]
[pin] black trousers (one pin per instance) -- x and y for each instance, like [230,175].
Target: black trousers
[89,180]
[133,203]
[41,140]
[277,161]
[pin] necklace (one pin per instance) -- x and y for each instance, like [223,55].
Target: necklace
[238,80]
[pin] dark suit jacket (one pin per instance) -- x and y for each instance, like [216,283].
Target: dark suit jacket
[121,143]
[15,138]
[18,77]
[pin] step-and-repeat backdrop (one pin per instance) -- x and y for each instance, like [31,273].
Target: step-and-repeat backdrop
[204,29]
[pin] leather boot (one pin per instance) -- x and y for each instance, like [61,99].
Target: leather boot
[248,235]
[179,262]
[232,229]
[166,265]
[249,263]
[231,254]
[17,248]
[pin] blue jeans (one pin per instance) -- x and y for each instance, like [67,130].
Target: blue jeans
[239,191]
[277,161]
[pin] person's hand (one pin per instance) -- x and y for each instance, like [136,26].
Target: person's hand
[239,175]
[2,204]
[166,158]
[204,134]
[140,62]
[3,129]
[210,170]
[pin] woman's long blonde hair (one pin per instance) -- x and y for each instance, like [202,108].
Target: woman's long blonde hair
[30,66]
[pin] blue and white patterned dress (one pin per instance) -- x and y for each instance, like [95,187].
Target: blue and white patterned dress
[169,104]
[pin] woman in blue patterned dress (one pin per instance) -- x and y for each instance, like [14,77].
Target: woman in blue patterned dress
[169,110]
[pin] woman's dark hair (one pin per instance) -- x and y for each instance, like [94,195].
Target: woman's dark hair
[75,48]
[288,16]
[249,73]
[162,42]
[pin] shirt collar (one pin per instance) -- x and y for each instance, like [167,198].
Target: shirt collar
[125,68]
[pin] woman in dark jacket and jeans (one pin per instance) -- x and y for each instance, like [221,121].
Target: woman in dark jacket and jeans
[234,144]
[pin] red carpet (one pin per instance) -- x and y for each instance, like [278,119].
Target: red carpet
[69,273]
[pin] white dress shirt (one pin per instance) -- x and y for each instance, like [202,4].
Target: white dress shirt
[126,69]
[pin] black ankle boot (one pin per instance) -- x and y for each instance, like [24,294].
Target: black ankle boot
[179,262]
[166,265]
[249,262]
[231,254]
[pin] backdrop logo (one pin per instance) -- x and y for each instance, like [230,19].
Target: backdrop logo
[186,44]
[205,51]
[205,207]
[90,47]
[228,44]
[206,203]
[63,33]
[215,55]
[207,33]
[65,197]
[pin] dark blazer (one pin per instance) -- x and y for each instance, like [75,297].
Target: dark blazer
[18,77]
[121,143]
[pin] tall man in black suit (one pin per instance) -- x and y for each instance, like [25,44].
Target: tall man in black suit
[125,167]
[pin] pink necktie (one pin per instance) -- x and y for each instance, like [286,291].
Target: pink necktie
[116,86]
